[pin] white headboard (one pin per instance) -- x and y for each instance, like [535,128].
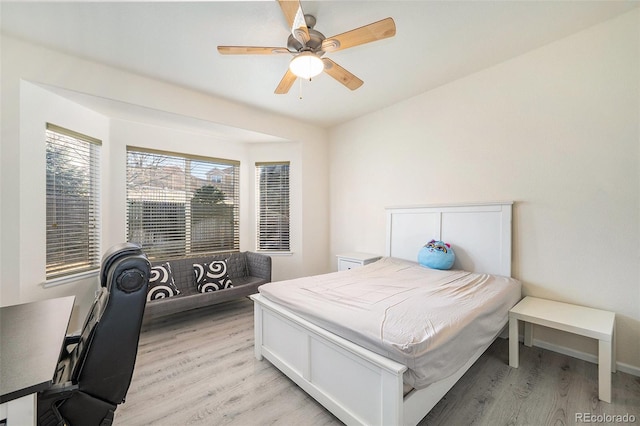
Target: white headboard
[480,234]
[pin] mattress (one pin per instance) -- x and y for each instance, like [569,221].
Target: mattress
[432,321]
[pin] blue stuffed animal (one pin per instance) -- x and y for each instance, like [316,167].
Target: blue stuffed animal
[436,255]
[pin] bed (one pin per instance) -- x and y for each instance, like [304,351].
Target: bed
[364,383]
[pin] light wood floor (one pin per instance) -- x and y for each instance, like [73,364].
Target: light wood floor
[198,368]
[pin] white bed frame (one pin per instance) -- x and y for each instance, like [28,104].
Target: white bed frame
[361,387]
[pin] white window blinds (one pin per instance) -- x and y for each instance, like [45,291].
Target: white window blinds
[72,202]
[179,205]
[272,189]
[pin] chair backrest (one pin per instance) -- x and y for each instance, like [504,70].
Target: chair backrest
[104,359]
[113,254]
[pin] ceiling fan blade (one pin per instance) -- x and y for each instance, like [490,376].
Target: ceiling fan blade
[372,32]
[342,75]
[251,50]
[295,18]
[286,83]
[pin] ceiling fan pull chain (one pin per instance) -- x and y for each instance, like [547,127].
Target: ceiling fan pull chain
[300,88]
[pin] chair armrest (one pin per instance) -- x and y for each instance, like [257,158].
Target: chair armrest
[47,400]
[58,390]
[259,265]
[71,339]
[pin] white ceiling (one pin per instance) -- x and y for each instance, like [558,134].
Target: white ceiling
[436,42]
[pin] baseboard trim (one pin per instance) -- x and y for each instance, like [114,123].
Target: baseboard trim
[621,366]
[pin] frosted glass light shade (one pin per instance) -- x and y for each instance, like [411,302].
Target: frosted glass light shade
[306,65]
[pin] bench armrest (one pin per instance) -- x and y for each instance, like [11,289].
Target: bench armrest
[259,265]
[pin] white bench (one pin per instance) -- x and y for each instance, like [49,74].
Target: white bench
[594,323]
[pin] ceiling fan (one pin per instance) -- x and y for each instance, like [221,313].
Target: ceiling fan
[308,46]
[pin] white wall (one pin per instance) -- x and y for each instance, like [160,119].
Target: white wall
[38,107]
[555,130]
[27,104]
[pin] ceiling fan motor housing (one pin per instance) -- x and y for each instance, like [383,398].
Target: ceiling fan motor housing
[315,39]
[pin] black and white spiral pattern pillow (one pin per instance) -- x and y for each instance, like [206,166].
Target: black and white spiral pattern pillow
[212,276]
[161,283]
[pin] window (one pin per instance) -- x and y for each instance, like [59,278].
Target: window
[272,187]
[72,202]
[179,205]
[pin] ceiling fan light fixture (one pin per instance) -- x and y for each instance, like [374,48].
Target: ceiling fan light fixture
[306,65]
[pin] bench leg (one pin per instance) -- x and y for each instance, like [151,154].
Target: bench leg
[528,334]
[604,370]
[613,349]
[514,360]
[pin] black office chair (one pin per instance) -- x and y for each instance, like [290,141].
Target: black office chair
[95,368]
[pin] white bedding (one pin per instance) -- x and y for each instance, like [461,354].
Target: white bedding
[431,321]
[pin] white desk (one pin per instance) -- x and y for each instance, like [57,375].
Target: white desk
[32,335]
[581,320]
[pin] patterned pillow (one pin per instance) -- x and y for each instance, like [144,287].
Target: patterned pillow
[212,276]
[161,283]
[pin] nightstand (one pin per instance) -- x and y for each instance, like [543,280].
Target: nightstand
[354,260]
[594,323]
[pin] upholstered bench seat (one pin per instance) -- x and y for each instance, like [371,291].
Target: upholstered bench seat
[246,270]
